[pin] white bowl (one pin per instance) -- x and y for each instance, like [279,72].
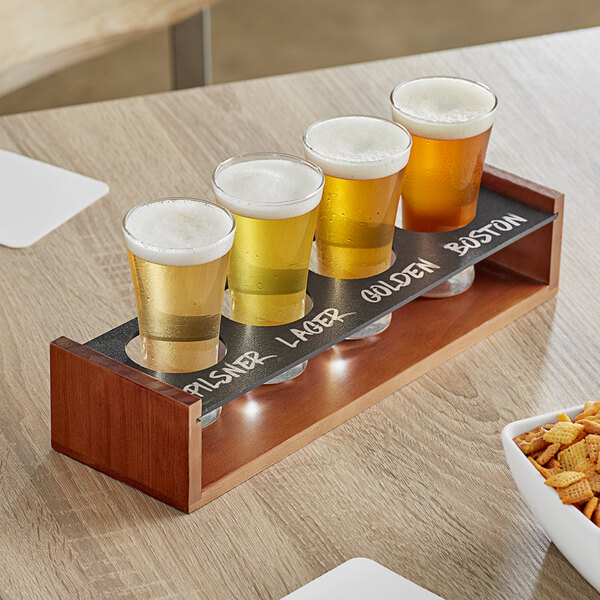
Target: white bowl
[572,533]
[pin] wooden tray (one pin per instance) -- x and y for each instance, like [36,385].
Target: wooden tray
[145,432]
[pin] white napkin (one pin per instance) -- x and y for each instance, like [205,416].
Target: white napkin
[361,579]
[36,198]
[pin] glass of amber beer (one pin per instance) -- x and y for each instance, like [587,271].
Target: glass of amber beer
[178,250]
[274,198]
[363,158]
[450,120]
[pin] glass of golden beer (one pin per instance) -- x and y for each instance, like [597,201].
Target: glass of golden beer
[274,198]
[178,250]
[450,120]
[363,158]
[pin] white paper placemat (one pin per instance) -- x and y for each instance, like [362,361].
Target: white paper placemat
[361,579]
[36,198]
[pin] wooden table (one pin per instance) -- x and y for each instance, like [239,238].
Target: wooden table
[418,482]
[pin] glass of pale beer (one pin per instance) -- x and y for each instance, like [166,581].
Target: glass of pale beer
[178,251]
[450,120]
[363,158]
[274,198]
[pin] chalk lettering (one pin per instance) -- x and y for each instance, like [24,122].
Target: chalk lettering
[224,377]
[479,237]
[489,229]
[194,389]
[205,385]
[502,225]
[514,219]
[370,296]
[469,242]
[301,335]
[389,286]
[426,265]
[402,279]
[484,238]
[231,370]
[325,319]
[381,289]
[313,328]
[454,247]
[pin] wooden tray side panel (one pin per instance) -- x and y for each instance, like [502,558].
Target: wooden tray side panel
[538,254]
[124,428]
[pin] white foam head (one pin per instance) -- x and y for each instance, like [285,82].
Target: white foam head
[444,108]
[268,186]
[357,146]
[178,231]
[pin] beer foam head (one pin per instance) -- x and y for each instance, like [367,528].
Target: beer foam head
[268,186]
[444,108]
[178,231]
[357,147]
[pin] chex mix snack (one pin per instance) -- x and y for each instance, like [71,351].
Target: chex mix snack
[567,454]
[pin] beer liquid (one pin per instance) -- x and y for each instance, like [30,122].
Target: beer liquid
[269,269]
[355,226]
[441,183]
[179,310]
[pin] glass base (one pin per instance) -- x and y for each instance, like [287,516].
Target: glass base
[289,374]
[211,417]
[455,285]
[373,328]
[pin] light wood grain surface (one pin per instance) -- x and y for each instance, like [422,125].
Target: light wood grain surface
[419,481]
[39,37]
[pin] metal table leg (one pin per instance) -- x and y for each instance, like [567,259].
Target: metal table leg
[192,51]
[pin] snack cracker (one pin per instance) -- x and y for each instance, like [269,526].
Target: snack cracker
[545,472]
[572,455]
[591,426]
[548,453]
[554,464]
[564,479]
[563,433]
[590,409]
[594,483]
[590,507]
[585,465]
[593,443]
[576,493]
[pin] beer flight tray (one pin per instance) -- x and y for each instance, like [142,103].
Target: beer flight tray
[143,427]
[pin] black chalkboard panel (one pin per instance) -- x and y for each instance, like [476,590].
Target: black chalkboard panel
[341,307]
